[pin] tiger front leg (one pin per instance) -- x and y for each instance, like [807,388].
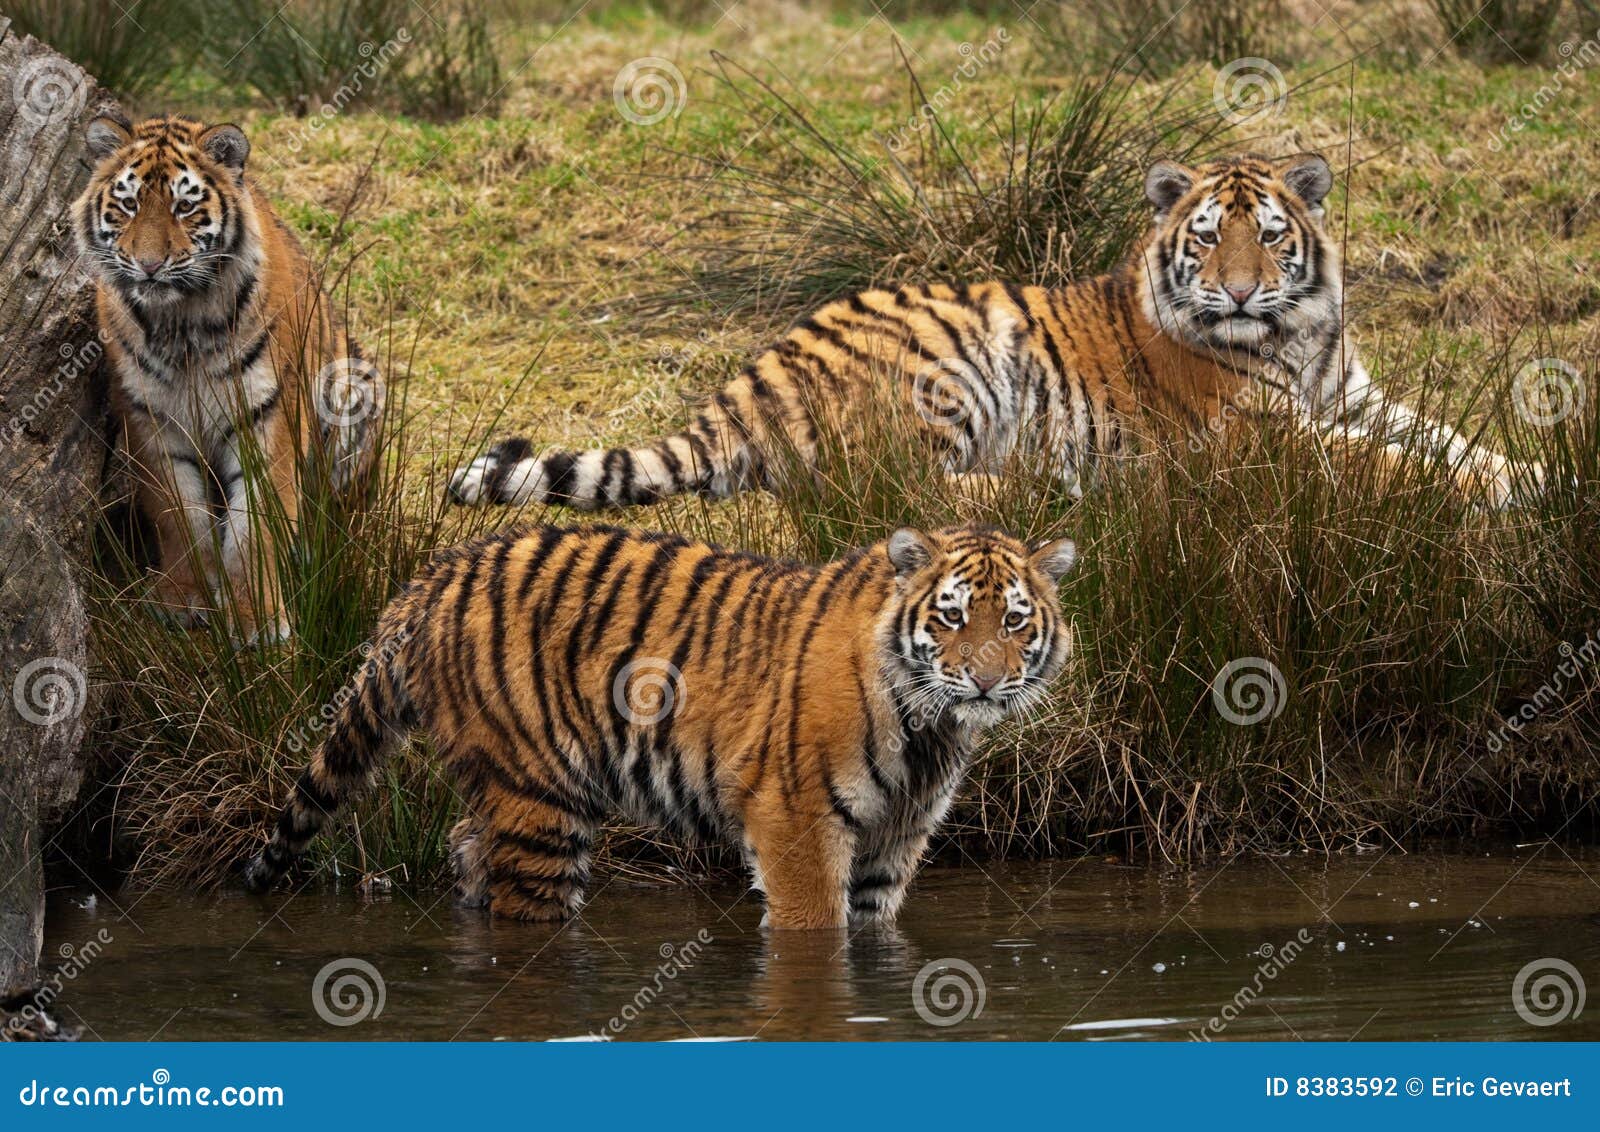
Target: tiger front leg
[804,866]
[883,871]
[534,858]
[974,491]
[1500,482]
[1482,474]
[262,508]
[171,490]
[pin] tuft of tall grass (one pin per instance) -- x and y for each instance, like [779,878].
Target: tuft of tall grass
[1550,553]
[1154,38]
[1499,31]
[1049,192]
[435,61]
[300,53]
[455,72]
[129,47]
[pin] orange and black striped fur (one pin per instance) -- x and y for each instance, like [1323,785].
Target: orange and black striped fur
[819,717]
[1232,302]
[225,357]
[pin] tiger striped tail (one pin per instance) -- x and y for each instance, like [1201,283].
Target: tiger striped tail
[715,456]
[374,717]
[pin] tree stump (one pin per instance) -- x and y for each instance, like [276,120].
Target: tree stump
[44,658]
[54,419]
[55,430]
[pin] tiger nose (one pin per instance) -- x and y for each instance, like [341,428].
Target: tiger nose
[984,683]
[1238,292]
[151,266]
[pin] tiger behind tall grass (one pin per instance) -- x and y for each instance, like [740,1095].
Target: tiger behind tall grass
[232,374]
[1232,304]
[820,717]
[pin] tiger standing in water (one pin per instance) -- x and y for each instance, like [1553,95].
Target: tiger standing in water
[1233,299]
[227,363]
[821,718]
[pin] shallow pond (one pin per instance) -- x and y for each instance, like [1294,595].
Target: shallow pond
[1382,946]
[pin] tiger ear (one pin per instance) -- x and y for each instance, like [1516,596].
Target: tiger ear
[1308,176]
[1166,184]
[227,146]
[1055,558]
[909,551]
[106,134]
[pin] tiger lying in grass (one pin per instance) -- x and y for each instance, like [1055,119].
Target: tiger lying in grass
[228,364]
[1233,300]
[821,718]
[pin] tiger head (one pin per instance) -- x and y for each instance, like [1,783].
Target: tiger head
[1238,258]
[974,627]
[166,210]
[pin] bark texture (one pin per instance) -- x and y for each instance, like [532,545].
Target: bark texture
[54,453]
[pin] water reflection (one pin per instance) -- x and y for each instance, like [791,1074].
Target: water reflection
[1417,946]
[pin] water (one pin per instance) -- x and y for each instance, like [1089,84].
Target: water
[1381,947]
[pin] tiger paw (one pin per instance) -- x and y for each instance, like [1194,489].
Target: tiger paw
[263,634]
[178,603]
[469,861]
[1516,486]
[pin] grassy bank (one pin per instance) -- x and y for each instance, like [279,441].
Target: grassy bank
[544,250]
